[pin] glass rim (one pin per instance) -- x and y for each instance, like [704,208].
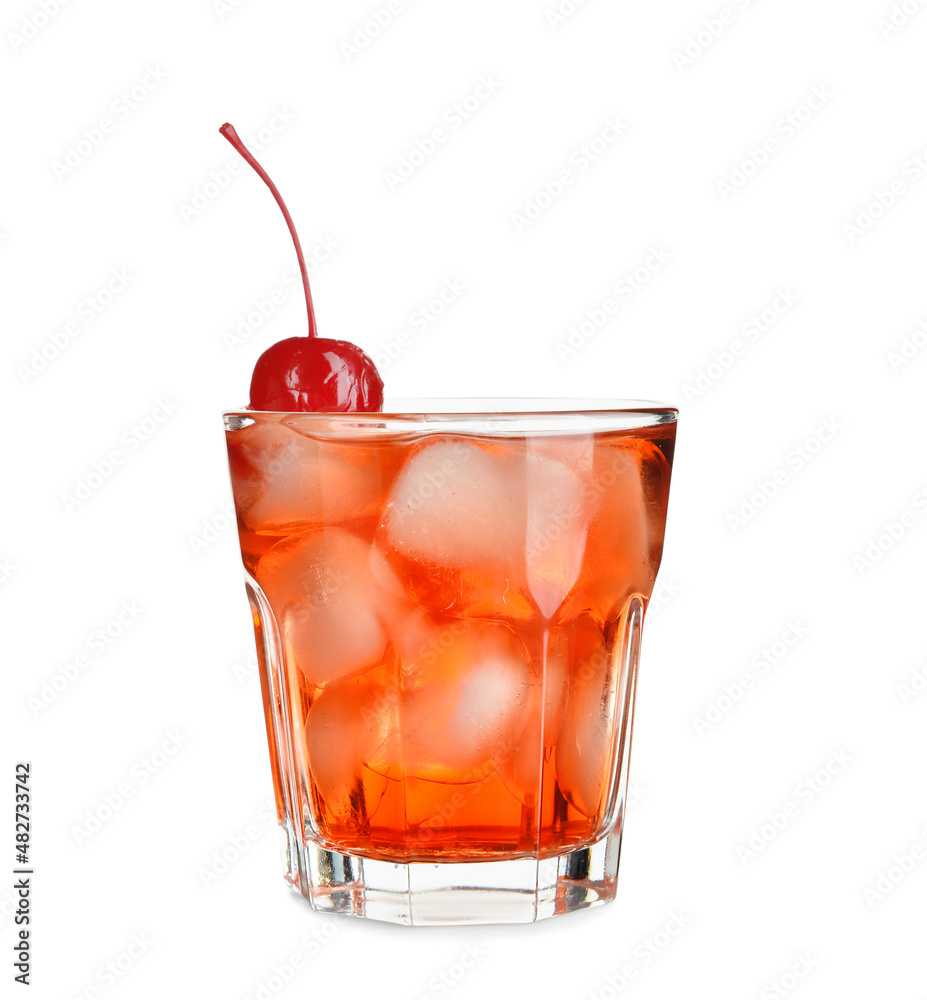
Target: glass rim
[628,413]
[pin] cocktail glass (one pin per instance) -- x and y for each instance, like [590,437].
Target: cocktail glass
[448,600]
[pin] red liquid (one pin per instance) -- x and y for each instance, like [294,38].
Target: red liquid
[452,615]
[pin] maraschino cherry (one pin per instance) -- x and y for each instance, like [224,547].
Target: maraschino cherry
[309,374]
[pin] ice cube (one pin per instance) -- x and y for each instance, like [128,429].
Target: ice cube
[522,768]
[557,520]
[285,481]
[485,529]
[587,732]
[326,601]
[344,727]
[462,703]
[456,502]
[617,559]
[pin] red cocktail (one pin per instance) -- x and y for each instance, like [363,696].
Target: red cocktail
[448,608]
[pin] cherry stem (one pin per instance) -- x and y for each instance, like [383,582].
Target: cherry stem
[229,132]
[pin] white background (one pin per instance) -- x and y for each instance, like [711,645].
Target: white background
[835,217]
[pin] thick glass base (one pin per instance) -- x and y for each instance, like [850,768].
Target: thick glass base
[422,893]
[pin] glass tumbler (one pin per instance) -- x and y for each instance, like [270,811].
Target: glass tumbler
[448,600]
